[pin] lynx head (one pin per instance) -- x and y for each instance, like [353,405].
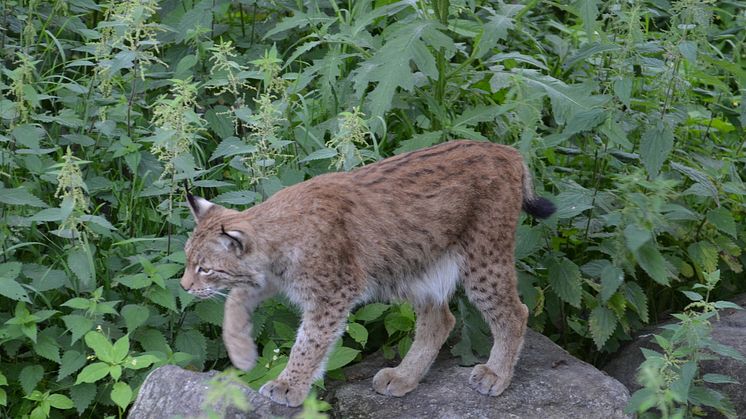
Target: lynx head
[222,252]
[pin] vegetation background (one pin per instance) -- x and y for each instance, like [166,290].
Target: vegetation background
[630,113]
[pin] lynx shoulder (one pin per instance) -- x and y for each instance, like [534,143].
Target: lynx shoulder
[411,227]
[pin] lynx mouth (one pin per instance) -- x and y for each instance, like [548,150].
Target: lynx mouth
[205,293]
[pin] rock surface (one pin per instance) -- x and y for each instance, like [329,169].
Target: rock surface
[548,383]
[171,391]
[729,330]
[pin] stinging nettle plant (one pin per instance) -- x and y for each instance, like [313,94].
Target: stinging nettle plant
[631,115]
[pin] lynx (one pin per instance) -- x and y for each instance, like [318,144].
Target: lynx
[411,227]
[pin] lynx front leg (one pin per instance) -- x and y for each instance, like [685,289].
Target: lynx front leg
[434,323]
[321,326]
[237,326]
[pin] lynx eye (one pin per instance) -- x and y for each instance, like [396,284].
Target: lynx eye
[203,271]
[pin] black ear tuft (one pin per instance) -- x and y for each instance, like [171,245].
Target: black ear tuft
[198,206]
[539,207]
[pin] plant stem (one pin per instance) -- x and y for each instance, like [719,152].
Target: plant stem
[131,100]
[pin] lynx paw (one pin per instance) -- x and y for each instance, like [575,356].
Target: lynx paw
[280,391]
[487,382]
[389,382]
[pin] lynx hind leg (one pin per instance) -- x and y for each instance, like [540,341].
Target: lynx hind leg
[434,323]
[491,285]
[237,325]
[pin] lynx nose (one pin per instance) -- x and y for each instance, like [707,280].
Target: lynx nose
[186,284]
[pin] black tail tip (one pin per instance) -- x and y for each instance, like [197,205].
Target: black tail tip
[539,207]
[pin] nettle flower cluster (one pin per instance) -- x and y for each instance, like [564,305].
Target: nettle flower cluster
[177,124]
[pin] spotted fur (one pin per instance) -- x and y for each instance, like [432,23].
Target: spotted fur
[411,227]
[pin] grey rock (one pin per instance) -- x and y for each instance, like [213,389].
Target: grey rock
[548,383]
[729,330]
[173,392]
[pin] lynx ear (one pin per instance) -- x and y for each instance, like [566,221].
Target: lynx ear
[235,240]
[199,206]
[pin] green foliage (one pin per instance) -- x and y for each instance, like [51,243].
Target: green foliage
[673,385]
[224,392]
[631,116]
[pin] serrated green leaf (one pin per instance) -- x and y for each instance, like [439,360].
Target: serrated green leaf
[210,311]
[680,387]
[10,270]
[13,290]
[651,261]
[47,347]
[623,89]
[566,100]
[82,395]
[494,29]
[573,201]
[694,296]
[655,146]
[30,376]
[77,325]
[71,362]
[54,214]
[79,262]
[232,146]
[636,298]
[719,379]
[635,236]
[528,241]
[726,350]
[704,254]
[192,342]
[163,297]
[723,220]
[564,278]
[641,401]
[611,278]
[419,141]
[236,198]
[20,196]
[602,324]
[477,114]
[29,135]
[320,154]
[390,67]
[134,315]
[152,340]
[98,220]
[135,281]
[688,50]
[588,11]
